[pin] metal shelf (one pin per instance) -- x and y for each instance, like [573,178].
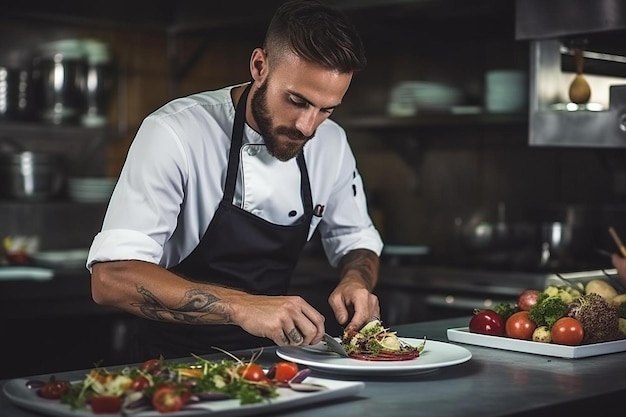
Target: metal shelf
[432,120]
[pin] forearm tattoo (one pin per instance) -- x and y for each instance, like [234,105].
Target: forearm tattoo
[194,308]
[364,262]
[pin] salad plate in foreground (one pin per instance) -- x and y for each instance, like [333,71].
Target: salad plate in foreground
[18,393]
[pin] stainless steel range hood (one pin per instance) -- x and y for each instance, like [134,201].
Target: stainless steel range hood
[555,29]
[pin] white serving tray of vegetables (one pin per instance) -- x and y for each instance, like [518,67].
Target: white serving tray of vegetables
[17,392]
[463,335]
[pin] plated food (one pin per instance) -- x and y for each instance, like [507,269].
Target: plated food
[168,387]
[374,342]
[435,355]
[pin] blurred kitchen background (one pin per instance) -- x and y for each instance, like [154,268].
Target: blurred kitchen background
[485,175]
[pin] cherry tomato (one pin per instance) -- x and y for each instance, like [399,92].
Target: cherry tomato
[487,322]
[285,371]
[520,326]
[140,383]
[151,366]
[252,372]
[567,331]
[168,398]
[54,389]
[105,404]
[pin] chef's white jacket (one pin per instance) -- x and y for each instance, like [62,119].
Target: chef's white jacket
[173,180]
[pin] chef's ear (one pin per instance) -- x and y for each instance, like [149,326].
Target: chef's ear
[258,65]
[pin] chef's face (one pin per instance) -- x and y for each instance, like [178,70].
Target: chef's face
[292,99]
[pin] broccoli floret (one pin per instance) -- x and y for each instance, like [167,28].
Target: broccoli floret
[621,310]
[506,310]
[598,317]
[548,310]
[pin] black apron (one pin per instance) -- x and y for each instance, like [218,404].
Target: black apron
[238,250]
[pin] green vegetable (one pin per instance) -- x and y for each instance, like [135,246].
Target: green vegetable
[506,310]
[548,310]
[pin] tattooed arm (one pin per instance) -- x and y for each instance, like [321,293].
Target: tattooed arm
[352,301]
[152,292]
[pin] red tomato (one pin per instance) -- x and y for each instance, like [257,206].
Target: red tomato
[520,326]
[252,372]
[151,366]
[487,322]
[285,371]
[54,389]
[105,404]
[169,398]
[139,383]
[567,331]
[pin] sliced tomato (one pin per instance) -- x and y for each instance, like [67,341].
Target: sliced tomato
[252,372]
[168,398]
[105,404]
[285,371]
[54,389]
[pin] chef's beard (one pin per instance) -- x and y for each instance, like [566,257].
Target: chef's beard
[283,151]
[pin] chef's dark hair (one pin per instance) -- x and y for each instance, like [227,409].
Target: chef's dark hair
[316,33]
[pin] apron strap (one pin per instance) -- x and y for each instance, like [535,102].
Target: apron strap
[235,146]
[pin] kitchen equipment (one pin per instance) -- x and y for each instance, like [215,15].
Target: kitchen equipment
[556,239]
[98,82]
[569,234]
[506,91]
[579,89]
[62,68]
[395,255]
[91,189]
[483,232]
[30,175]
[17,91]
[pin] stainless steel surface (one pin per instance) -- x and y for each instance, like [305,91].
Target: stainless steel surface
[537,19]
[556,29]
[551,124]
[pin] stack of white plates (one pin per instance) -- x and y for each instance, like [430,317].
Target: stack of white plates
[409,97]
[506,91]
[91,190]
[71,258]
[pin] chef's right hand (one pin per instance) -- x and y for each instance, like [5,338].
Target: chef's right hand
[287,320]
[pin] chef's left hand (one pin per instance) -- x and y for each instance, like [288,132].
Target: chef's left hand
[353,296]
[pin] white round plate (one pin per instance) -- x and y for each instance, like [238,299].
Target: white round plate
[434,356]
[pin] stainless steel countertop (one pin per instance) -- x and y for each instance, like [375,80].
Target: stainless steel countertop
[493,383]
